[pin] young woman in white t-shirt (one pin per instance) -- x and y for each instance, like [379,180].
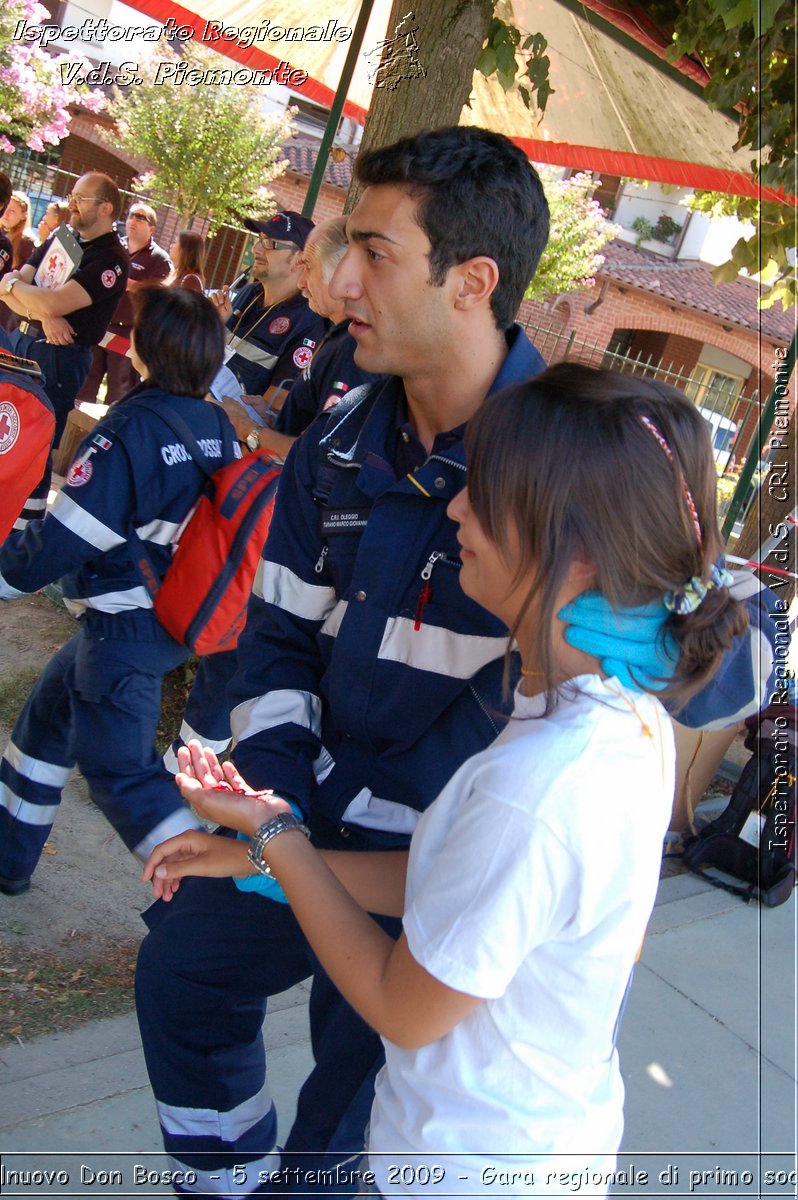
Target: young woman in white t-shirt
[529,881]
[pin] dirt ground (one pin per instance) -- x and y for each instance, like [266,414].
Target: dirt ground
[67,947]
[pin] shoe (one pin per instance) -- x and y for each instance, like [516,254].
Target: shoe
[13,887]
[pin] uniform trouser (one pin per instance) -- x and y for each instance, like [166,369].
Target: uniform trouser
[210,961]
[64,367]
[122,375]
[96,704]
[207,714]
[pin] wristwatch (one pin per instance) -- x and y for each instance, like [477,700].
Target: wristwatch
[253,440]
[264,835]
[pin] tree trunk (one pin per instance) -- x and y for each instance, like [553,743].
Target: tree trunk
[776,500]
[450,35]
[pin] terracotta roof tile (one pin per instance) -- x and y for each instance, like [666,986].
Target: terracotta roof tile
[689,282]
[302,153]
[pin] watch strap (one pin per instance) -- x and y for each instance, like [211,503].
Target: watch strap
[262,836]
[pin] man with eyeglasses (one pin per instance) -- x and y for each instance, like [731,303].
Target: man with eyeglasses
[59,326]
[272,330]
[149,263]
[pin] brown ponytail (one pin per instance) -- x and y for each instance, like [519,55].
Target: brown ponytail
[616,469]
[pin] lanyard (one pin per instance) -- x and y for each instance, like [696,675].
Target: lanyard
[262,317]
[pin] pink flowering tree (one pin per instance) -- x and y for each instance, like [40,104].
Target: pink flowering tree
[33,99]
[579,229]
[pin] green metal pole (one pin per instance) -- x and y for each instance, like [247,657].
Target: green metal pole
[337,108]
[764,426]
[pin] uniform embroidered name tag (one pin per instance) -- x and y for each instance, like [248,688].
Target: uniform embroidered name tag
[343,520]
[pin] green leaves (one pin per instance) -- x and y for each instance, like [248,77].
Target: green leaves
[486,63]
[766,253]
[735,12]
[578,230]
[210,146]
[524,67]
[748,48]
[760,14]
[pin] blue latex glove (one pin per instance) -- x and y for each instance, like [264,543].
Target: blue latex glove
[261,883]
[630,643]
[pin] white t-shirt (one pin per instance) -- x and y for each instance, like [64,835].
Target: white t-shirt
[530,882]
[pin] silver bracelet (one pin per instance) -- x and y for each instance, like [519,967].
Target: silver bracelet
[264,835]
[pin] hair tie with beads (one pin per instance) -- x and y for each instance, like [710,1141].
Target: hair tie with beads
[688,496]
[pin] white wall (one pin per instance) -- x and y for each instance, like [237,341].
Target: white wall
[707,239]
[711,238]
[105,50]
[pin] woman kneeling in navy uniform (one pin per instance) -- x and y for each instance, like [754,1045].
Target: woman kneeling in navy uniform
[97,703]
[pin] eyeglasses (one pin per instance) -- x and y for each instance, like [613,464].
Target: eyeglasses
[271,244]
[73,196]
[138,217]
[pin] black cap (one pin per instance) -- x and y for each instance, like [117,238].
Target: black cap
[283,227]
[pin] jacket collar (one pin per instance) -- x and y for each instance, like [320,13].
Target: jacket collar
[363,426]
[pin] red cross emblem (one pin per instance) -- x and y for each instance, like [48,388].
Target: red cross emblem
[9,426]
[80,472]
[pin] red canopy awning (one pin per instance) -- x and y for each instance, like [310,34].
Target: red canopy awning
[634,121]
[643,166]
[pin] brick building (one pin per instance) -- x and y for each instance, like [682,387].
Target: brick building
[669,314]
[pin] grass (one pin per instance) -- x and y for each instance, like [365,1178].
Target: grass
[47,993]
[176,687]
[14,691]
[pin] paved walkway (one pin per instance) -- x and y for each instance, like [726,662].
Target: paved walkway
[707,1046]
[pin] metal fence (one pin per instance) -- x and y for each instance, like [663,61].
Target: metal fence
[227,248]
[731,416]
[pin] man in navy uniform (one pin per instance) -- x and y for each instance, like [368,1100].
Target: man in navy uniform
[360,536]
[272,330]
[330,376]
[60,325]
[332,372]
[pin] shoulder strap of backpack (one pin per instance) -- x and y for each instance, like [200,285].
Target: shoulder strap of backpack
[182,430]
[141,559]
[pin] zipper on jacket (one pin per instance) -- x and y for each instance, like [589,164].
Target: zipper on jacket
[319,567]
[425,595]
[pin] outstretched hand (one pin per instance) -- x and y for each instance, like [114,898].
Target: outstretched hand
[219,793]
[194,852]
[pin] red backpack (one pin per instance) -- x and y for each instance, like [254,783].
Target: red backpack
[27,424]
[202,601]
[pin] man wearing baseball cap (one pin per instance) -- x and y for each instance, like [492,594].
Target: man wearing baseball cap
[272,330]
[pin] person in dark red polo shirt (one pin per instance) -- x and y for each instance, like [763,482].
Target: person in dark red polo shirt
[149,263]
[6,249]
